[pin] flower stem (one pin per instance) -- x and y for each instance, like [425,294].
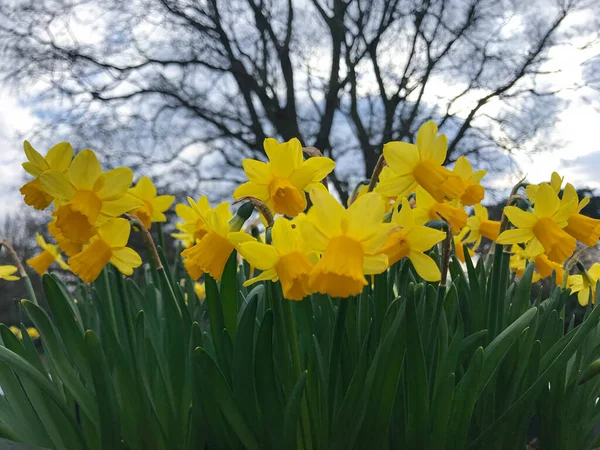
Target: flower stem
[22,272]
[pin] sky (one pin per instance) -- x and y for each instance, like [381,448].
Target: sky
[575,154]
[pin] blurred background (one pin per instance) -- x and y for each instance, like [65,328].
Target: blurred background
[184,90]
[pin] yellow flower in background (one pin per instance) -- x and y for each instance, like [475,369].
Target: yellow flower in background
[411,240]
[109,245]
[459,240]
[474,191]
[154,205]
[584,285]
[58,158]
[33,333]
[49,255]
[410,166]
[66,245]
[430,209]
[200,290]
[583,228]
[213,249]
[348,239]
[7,273]
[288,260]
[192,229]
[16,331]
[87,197]
[542,229]
[556,182]
[518,262]
[479,225]
[281,183]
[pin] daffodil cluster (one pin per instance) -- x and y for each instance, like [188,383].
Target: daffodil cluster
[87,204]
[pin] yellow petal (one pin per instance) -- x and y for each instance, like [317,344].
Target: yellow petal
[397,185]
[425,138]
[31,169]
[439,149]
[125,260]
[239,237]
[40,240]
[481,212]
[594,272]
[533,249]
[520,218]
[425,266]
[285,157]
[34,157]
[423,238]
[201,207]
[546,202]
[259,255]
[144,189]
[59,157]
[113,184]
[186,212]
[401,157]
[85,170]
[463,168]
[57,185]
[313,236]
[365,216]
[583,296]
[310,171]
[257,171]
[163,202]
[515,236]
[531,192]
[267,275]
[251,189]
[285,238]
[374,264]
[115,232]
[115,208]
[326,213]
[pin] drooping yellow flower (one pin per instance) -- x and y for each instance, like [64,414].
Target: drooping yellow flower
[288,260]
[348,239]
[50,254]
[410,166]
[542,229]
[154,205]
[556,182]
[58,158]
[281,183]
[459,241]
[66,245]
[430,209]
[479,225]
[7,273]
[16,331]
[109,245]
[411,240]
[474,191]
[87,197]
[583,228]
[192,229]
[212,250]
[584,285]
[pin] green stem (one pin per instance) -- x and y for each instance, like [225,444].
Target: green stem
[290,326]
[109,301]
[336,352]
[161,236]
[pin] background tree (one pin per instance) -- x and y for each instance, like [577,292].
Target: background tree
[191,87]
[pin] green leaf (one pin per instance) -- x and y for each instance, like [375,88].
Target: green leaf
[292,412]
[229,294]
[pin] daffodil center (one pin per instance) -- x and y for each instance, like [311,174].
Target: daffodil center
[557,244]
[200,230]
[396,247]
[489,229]
[293,270]
[286,198]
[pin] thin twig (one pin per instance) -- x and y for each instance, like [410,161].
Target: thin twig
[147,238]
[376,172]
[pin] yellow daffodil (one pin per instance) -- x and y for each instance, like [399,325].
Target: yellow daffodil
[192,229]
[411,240]
[473,191]
[109,245]
[430,209]
[584,285]
[33,333]
[390,200]
[66,245]
[154,205]
[87,196]
[7,273]
[58,158]
[479,225]
[281,183]
[288,260]
[16,331]
[459,241]
[583,228]
[192,268]
[410,166]
[213,249]
[200,290]
[518,262]
[49,255]
[545,267]
[556,182]
[348,239]
[542,229]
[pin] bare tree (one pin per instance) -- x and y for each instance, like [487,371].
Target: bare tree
[194,86]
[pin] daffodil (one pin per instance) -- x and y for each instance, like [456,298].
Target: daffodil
[7,273]
[281,183]
[58,158]
[542,229]
[212,250]
[556,182]
[459,241]
[349,240]
[200,290]
[16,331]
[473,191]
[66,245]
[108,245]
[430,209]
[87,197]
[50,254]
[411,240]
[288,260]
[410,166]
[545,267]
[581,227]
[585,284]
[154,205]
[518,262]
[33,333]
[192,229]
[479,225]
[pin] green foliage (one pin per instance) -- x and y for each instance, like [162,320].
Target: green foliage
[406,364]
